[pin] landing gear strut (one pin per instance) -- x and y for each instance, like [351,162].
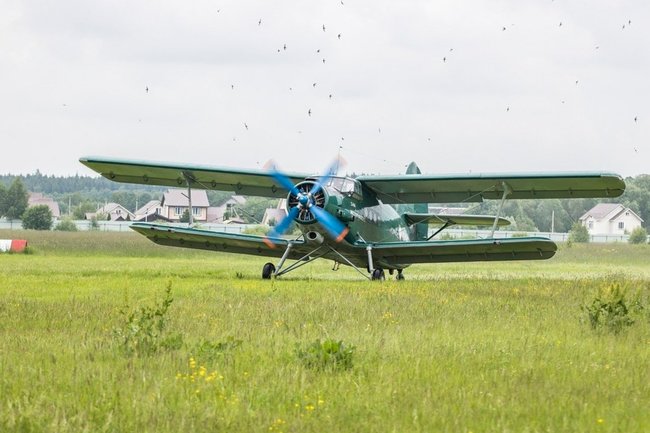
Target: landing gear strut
[399,276]
[267,271]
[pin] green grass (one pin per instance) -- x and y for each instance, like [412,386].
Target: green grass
[484,347]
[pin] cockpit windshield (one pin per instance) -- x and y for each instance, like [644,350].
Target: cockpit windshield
[345,185]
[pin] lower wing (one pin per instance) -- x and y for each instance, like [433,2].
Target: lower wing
[217,241]
[396,254]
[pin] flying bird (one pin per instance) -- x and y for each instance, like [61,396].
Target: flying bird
[323,27]
[285,47]
[232,86]
[309,112]
[339,35]
[146,89]
[635,118]
[259,23]
[246,126]
[314,85]
[444,59]
[503,29]
[507,109]
[323,60]
[330,96]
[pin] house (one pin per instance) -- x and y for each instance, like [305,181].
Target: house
[151,211]
[111,212]
[174,203]
[272,216]
[227,211]
[610,219]
[37,198]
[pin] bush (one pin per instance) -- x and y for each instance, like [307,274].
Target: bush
[66,225]
[37,218]
[610,310]
[326,355]
[144,332]
[578,233]
[638,236]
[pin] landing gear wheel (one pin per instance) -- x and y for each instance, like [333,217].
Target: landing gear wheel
[400,276]
[378,274]
[267,271]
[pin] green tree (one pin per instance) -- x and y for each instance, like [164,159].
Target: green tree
[3,198]
[66,225]
[15,202]
[578,233]
[37,218]
[82,209]
[638,236]
[185,218]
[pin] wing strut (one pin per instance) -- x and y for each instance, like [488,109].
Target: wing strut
[447,224]
[188,179]
[506,192]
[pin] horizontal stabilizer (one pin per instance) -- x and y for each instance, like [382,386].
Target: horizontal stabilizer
[464,220]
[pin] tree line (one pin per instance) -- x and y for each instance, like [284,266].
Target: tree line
[78,195]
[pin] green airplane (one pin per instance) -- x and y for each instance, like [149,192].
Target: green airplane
[371,223]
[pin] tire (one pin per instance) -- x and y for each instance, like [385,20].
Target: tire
[267,271]
[399,276]
[378,274]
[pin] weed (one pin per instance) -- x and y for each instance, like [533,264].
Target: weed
[326,355]
[209,350]
[144,331]
[610,310]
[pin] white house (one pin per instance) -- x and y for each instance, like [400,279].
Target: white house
[272,216]
[227,212]
[610,219]
[175,202]
[112,212]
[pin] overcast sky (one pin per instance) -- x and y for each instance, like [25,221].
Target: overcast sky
[457,86]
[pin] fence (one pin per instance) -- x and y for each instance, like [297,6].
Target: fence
[123,226]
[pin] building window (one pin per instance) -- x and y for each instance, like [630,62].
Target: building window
[196,211]
[621,225]
[590,224]
[178,210]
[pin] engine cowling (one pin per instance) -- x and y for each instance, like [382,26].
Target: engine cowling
[304,200]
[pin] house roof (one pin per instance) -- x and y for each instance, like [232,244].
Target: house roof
[607,210]
[37,198]
[149,207]
[178,197]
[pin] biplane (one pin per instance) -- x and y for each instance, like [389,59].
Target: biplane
[371,223]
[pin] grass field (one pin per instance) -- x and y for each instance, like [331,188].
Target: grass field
[484,347]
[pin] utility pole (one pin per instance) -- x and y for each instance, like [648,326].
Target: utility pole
[553,221]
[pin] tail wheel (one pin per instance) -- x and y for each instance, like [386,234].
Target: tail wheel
[267,271]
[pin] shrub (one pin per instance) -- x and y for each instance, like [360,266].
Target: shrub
[578,233]
[610,310]
[144,332]
[66,225]
[638,236]
[326,355]
[37,218]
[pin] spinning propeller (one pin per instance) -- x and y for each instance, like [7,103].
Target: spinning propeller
[306,202]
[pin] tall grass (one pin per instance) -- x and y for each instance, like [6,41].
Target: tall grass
[457,347]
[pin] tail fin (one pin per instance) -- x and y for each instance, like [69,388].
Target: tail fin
[420,231]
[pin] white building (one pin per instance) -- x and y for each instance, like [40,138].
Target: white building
[610,219]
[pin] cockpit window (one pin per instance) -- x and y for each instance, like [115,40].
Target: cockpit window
[346,186]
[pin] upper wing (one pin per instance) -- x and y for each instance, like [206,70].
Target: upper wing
[466,220]
[217,241]
[421,188]
[244,182]
[394,254]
